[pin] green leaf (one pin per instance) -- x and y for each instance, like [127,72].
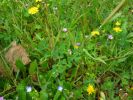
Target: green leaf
[100,60]
[78,93]
[122,60]
[88,54]
[58,93]
[43,95]
[33,68]
[62,98]
[21,91]
[20,65]
[94,58]
[130,35]
[28,96]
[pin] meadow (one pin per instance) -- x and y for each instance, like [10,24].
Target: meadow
[66,50]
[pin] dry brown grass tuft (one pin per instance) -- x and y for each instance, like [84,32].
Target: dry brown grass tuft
[15,52]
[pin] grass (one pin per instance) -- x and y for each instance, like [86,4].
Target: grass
[67,61]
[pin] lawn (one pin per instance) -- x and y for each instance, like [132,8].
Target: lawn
[66,50]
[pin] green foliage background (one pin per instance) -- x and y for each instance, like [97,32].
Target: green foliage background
[106,64]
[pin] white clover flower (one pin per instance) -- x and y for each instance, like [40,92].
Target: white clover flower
[28,89]
[60,88]
[110,37]
[64,30]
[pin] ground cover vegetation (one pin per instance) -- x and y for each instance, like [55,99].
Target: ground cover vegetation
[66,49]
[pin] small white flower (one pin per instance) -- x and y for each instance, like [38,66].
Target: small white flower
[110,37]
[78,44]
[60,88]
[28,88]
[64,30]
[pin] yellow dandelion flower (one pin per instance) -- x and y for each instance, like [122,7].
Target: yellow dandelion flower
[38,1]
[76,46]
[94,33]
[90,89]
[33,10]
[117,23]
[117,29]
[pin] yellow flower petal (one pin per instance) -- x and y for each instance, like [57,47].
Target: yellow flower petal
[33,10]
[94,33]
[90,89]
[117,23]
[117,29]
[38,0]
[76,47]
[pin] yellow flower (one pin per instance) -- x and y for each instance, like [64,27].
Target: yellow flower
[117,29]
[90,89]
[117,23]
[76,46]
[33,10]
[94,33]
[38,0]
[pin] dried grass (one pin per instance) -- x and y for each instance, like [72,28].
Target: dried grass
[15,52]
